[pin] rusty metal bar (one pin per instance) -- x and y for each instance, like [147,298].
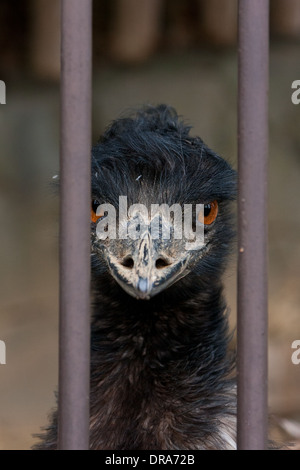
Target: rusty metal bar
[74,347]
[252,231]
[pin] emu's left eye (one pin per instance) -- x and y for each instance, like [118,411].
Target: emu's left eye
[210,213]
[95,214]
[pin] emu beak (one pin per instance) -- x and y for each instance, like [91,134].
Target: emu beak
[147,270]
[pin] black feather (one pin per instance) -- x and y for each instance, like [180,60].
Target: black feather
[160,369]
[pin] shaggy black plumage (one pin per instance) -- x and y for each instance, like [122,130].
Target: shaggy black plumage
[160,365]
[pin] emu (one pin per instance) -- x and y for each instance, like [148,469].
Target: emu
[161,371]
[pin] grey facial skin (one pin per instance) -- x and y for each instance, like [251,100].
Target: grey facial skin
[145,266]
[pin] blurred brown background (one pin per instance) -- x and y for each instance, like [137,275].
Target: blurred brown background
[145,51]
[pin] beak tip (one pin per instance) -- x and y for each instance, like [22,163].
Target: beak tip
[143,285]
[143,289]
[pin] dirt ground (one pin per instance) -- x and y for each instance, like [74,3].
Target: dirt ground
[202,87]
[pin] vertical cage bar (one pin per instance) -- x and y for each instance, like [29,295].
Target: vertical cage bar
[252,231]
[74,344]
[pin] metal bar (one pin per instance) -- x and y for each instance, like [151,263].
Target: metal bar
[74,347]
[252,231]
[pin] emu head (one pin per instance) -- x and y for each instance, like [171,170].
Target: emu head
[160,204]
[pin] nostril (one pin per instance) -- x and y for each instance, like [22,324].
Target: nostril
[128,262]
[161,263]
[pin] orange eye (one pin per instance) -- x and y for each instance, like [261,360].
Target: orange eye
[210,213]
[95,214]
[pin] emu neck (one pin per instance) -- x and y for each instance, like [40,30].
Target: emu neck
[154,362]
[170,326]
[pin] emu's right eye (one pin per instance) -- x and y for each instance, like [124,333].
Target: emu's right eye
[95,214]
